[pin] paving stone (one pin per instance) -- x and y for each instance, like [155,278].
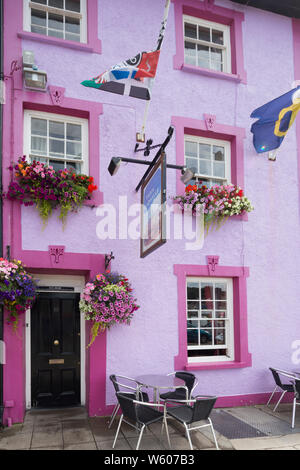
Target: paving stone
[147,443]
[121,444]
[20,441]
[73,436]
[81,446]
[50,435]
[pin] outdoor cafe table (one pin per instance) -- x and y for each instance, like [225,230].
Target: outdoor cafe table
[160,382]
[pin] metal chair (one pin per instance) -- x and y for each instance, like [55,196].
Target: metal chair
[296,401]
[121,382]
[141,415]
[180,393]
[187,414]
[285,387]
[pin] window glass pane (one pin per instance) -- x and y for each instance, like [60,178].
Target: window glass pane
[219,169]
[203,33]
[219,336]
[39,145]
[192,324]
[55,21]
[73,5]
[190,53]
[205,337]
[56,146]
[219,324]
[74,149]
[207,291]
[193,305]
[56,34]
[206,324]
[192,337]
[193,313]
[221,305]
[40,159]
[220,314]
[203,56]
[72,37]
[193,290]
[57,129]
[38,126]
[38,30]
[190,148]
[72,25]
[74,166]
[192,163]
[216,59]
[217,37]
[205,151]
[56,3]
[205,167]
[208,314]
[190,30]
[220,291]
[43,2]
[57,165]
[218,153]
[73,132]
[38,17]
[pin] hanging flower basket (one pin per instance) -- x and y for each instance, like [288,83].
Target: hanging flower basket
[17,289]
[47,189]
[107,301]
[218,202]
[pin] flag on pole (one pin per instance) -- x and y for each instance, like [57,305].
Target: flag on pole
[132,72]
[274,120]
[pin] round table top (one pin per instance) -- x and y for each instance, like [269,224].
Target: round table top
[160,381]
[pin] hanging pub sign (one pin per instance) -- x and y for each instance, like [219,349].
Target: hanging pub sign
[153,213]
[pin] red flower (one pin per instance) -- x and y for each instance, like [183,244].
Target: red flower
[92,187]
[91,179]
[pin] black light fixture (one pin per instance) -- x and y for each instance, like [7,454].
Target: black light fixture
[114,165]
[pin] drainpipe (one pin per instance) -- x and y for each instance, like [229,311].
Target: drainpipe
[1,218]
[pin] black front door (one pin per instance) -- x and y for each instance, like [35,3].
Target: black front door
[55,350]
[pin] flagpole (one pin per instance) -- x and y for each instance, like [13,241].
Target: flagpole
[140,137]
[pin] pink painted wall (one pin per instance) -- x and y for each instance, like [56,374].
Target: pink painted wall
[267,243]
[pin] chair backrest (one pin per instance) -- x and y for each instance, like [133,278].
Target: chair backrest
[188,378]
[121,382]
[127,406]
[276,376]
[114,382]
[202,408]
[297,388]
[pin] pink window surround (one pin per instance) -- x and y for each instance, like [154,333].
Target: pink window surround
[235,135]
[93,42]
[208,11]
[241,354]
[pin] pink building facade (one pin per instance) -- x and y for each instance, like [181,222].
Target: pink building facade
[227,60]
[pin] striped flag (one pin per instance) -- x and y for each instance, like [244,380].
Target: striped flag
[128,77]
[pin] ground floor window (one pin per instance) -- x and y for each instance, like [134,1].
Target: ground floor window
[209,319]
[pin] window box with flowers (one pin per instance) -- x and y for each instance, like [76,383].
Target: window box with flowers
[47,189]
[219,202]
[17,289]
[107,301]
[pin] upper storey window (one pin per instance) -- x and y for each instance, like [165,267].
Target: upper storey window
[206,44]
[65,19]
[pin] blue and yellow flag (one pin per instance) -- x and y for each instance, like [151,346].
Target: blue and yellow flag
[274,120]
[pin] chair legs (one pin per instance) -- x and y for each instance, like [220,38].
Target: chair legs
[269,401]
[281,397]
[114,414]
[294,412]
[117,433]
[198,427]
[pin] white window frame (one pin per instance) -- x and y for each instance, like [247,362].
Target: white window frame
[28,114]
[229,322]
[27,5]
[227,157]
[226,47]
